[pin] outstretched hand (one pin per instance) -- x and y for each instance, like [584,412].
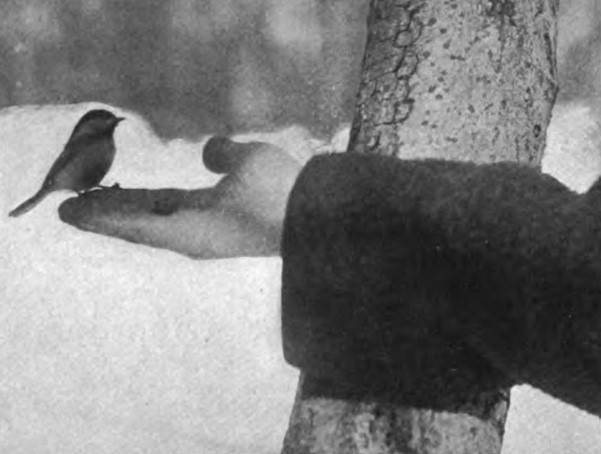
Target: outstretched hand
[240,216]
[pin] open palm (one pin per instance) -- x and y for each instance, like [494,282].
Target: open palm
[241,215]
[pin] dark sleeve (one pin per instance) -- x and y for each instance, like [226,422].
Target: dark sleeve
[433,271]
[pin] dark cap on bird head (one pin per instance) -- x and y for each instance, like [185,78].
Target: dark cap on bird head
[95,120]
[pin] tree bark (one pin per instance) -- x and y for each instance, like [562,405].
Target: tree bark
[457,80]
[454,80]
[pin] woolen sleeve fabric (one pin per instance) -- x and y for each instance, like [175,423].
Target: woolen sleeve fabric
[435,271]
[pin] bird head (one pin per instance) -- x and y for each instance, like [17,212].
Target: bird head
[96,122]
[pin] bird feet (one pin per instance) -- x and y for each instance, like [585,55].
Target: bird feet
[98,187]
[114,186]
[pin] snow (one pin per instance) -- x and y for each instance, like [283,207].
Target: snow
[108,347]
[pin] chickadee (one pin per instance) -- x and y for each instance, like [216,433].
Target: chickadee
[85,160]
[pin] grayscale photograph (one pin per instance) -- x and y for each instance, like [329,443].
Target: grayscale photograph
[300,227]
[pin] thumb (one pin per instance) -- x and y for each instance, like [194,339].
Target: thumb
[222,155]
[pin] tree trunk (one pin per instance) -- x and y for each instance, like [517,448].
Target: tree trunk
[454,80]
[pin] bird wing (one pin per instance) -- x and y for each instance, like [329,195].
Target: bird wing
[68,154]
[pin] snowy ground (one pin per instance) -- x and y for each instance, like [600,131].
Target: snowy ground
[110,347]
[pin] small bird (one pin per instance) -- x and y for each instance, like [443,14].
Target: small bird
[85,160]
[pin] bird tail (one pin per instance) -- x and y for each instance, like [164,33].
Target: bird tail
[29,203]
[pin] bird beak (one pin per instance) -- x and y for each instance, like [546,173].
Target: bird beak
[119,119]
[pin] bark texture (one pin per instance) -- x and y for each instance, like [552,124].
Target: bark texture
[440,79]
[323,425]
[459,80]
